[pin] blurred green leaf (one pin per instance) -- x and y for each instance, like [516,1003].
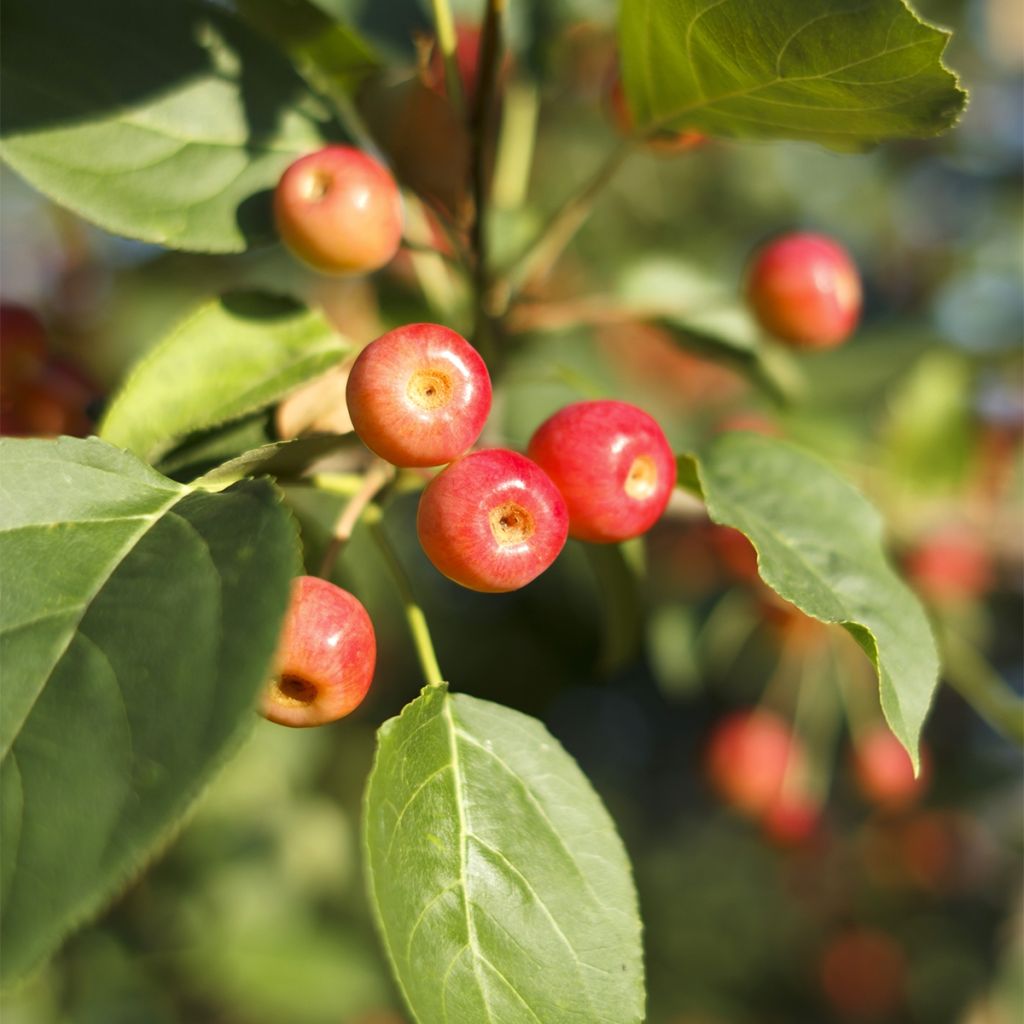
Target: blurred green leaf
[137,622]
[819,545]
[846,75]
[283,458]
[231,357]
[500,886]
[706,317]
[165,122]
[929,434]
[331,55]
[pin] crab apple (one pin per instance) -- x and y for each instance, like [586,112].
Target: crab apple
[612,464]
[339,211]
[863,973]
[949,566]
[325,656]
[750,757]
[419,395]
[665,142]
[492,521]
[805,289]
[22,346]
[882,769]
[792,818]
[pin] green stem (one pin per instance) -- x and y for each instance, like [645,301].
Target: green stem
[414,616]
[981,686]
[482,135]
[447,40]
[559,231]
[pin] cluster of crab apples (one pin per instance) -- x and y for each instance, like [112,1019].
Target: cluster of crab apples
[493,519]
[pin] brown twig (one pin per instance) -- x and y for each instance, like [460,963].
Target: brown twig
[377,477]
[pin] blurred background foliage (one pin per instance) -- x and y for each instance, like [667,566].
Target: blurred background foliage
[255,914]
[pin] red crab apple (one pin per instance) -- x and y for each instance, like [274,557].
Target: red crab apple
[612,464]
[339,211]
[804,289]
[665,142]
[492,521]
[949,566]
[863,973]
[751,756]
[22,346]
[792,818]
[419,395]
[882,769]
[325,656]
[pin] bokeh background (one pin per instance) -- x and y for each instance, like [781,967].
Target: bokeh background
[256,914]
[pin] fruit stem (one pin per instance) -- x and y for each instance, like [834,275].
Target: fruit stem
[377,477]
[542,254]
[414,616]
[980,685]
[444,25]
[817,716]
[482,134]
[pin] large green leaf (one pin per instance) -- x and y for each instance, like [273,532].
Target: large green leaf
[819,545]
[844,73]
[231,357]
[137,622]
[157,119]
[501,888]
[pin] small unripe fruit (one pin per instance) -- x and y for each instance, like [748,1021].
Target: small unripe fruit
[419,395]
[882,769]
[612,464]
[325,656]
[804,289]
[339,211]
[751,757]
[492,521]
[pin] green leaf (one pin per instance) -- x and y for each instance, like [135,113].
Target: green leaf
[844,73]
[819,545]
[281,459]
[231,357]
[163,121]
[137,622]
[332,56]
[500,886]
[706,317]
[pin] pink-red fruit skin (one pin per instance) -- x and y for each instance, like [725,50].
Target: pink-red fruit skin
[612,464]
[805,290]
[339,211]
[419,395]
[492,521]
[325,656]
[883,771]
[751,757]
